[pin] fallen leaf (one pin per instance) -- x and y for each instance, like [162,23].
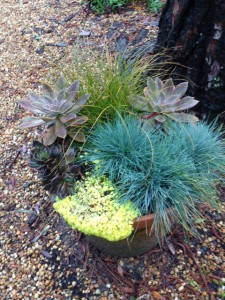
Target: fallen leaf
[43,232]
[128,290]
[172,249]
[156,295]
[46,254]
[120,270]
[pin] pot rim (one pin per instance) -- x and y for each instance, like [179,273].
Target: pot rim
[147,221]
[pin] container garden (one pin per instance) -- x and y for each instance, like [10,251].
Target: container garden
[142,240]
[140,163]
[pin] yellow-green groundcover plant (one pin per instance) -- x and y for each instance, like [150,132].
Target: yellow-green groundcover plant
[95,210]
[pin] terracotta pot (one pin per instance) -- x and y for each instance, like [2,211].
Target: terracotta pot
[141,241]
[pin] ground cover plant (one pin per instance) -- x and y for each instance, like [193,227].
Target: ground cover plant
[106,6]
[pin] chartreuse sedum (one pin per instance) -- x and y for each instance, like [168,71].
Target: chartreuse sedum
[95,209]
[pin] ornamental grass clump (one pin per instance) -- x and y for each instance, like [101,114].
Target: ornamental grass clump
[158,170]
[94,209]
[205,144]
[109,79]
[120,146]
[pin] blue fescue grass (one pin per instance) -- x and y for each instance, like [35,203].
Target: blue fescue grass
[120,146]
[157,170]
[205,144]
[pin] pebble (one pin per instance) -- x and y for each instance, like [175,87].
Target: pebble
[63,44]
[84,33]
[40,50]
[181,288]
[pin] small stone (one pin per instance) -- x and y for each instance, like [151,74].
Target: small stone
[98,292]
[62,44]
[108,285]
[181,288]
[85,33]
[40,50]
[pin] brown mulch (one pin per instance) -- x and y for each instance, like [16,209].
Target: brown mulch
[40,256]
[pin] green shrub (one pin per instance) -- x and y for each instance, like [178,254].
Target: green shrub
[154,5]
[94,210]
[102,6]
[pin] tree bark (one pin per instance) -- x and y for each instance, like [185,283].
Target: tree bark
[193,32]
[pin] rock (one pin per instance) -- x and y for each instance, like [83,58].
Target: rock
[62,44]
[70,17]
[84,33]
[118,24]
[40,50]
[121,43]
[141,35]
[26,185]
[39,30]
[111,32]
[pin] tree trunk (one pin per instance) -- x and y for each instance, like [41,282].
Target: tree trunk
[193,31]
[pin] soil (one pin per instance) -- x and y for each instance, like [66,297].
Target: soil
[41,257]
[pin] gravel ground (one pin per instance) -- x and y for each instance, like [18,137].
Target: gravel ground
[40,257]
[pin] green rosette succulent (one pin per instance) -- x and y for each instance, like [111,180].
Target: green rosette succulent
[95,210]
[164,100]
[58,108]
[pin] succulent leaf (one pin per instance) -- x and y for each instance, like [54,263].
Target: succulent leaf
[73,90]
[160,118]
[65,106]
[80,103]
[49,137]
[48,91]
[61,87]
[181,89]
[168,88]
[183,104]
[78,121]
[31,122]
[182,117]
[41,101]
[78,136]
[140,103]
[29,106]
[158,84]
[68,117]
[60,129]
